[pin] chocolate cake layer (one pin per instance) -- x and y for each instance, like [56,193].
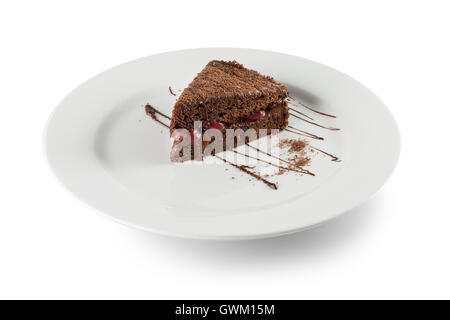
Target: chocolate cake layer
[275,117]
[225,92]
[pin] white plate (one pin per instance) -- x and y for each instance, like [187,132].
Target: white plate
[103,148]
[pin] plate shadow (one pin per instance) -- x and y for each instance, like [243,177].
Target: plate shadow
[325,239]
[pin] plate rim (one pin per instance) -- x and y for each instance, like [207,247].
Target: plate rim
[395,158]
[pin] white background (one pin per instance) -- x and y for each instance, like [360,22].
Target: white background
[396,245]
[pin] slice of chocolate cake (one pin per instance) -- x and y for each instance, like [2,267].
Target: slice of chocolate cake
[225,95]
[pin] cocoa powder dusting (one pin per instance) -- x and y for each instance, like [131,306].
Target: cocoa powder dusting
[295,145]
[297,153]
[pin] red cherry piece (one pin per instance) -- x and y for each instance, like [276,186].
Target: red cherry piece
[256,116]
[217,125]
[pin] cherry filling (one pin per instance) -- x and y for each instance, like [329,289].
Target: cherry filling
[256,116]
[217,125]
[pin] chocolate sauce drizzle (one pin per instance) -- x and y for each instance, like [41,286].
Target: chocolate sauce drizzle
[333,157]
[254,175]
[151,111]
[171,92]
[316,124]
[303,114]
[300,169]
[304,133]
[311,109]
[272,164]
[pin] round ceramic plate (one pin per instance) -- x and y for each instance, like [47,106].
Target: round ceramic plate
[104,148]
